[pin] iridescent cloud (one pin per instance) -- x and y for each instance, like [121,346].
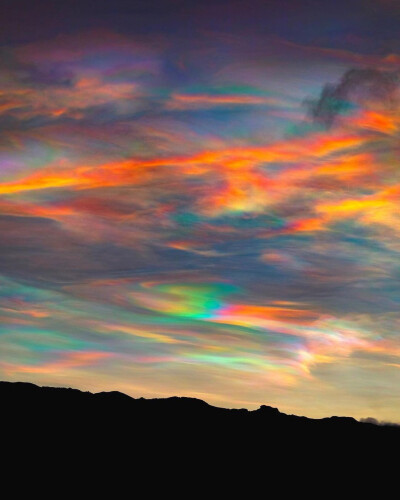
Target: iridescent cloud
[176,225]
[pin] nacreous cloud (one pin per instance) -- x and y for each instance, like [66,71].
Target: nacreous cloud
[160,236]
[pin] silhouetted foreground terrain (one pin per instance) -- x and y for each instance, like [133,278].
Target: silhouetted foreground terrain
[58,438]
[57,412]
[177,445]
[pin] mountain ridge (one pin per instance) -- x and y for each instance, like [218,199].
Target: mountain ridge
[17,390]
[81,433]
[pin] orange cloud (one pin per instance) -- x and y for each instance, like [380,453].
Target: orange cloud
[191,101]
[67,361]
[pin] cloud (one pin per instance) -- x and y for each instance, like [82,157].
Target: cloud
[356,87]
[201,253]
[204,101]
[374,421]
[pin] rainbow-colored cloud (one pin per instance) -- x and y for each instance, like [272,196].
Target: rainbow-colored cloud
[172,224]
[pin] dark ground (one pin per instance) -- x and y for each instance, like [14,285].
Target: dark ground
[57,440]
[60,410]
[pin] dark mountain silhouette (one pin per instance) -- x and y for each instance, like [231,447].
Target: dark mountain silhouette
[53,409]
[114,443]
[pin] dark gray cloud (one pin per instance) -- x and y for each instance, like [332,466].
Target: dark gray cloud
[356,87]
[374,421]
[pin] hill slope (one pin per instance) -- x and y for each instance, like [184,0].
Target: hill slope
[178,444]
[63,410]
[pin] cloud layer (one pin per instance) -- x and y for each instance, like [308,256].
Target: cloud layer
[174,222]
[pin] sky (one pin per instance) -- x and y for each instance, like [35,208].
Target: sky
[202,199]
